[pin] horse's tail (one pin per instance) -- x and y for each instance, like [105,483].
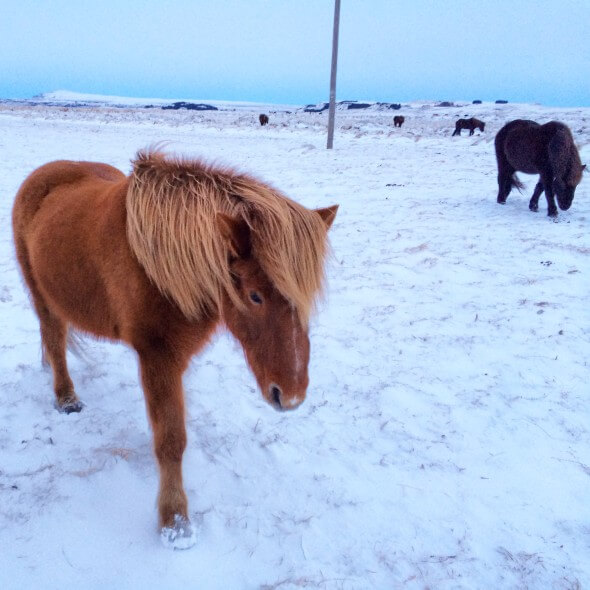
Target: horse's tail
[515,182]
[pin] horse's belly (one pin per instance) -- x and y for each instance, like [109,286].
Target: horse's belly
[523,166]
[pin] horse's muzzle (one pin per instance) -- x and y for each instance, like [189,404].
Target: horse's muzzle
[279,401]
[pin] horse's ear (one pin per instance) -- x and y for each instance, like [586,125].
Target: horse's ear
[237,234]
[328,214]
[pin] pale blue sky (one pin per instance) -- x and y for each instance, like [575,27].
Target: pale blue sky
[280,50]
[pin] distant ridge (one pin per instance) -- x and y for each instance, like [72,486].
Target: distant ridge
[78,99]
[68,98]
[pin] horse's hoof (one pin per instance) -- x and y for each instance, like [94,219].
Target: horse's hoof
[69,406]
[501,202]
[533,208]
[181,535]
[552,214]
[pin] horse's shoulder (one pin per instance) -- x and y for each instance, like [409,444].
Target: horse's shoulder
[554,128]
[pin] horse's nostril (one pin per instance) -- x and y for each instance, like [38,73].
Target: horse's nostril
[275,394]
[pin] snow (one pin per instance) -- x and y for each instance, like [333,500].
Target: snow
[444,442]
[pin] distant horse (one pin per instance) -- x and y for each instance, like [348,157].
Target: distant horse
[158,260]
[548,150]
[470,124]
[263,119]
[398,120]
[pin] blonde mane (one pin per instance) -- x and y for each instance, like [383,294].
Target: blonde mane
[171,227]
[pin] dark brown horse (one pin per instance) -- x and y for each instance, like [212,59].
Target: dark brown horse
[398,120]
[263,119]
[159,259]
[472,124]
[548,150]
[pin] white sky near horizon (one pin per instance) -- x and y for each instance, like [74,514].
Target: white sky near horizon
[280,50]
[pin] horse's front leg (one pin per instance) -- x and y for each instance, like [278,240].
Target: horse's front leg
[534,202]
[551,206]
[161,376]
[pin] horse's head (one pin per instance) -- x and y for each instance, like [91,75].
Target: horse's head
[274,338]
[566,187]
[482,125]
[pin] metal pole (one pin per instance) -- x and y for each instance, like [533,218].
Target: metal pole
[332,110]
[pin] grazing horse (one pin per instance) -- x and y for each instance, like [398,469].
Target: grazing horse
[470,124]
[158,259]
[263,119]
[398,120]
[548,150]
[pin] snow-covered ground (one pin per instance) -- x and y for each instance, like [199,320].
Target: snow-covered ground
[445,441]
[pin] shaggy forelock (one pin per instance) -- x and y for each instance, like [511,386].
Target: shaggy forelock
[171,226]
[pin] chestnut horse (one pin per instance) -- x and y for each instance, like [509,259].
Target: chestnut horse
[548,150]
[159,259]
[472,124]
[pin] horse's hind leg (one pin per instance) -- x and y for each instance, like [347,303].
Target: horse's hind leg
[534,202]
[54,333]
[53,338]
[504,183]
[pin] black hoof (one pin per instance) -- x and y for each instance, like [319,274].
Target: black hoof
[69,407]
[552,214]
[533,208]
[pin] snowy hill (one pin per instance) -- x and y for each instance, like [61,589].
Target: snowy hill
[67,97]
[79,99]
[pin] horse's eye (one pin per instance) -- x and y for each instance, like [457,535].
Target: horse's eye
[255,297]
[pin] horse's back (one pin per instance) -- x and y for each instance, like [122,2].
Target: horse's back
[518,126]
[49,178]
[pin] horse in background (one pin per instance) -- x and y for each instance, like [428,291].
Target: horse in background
[158,260]
[548,150]
[263,119]
[470,124]
[398,120]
